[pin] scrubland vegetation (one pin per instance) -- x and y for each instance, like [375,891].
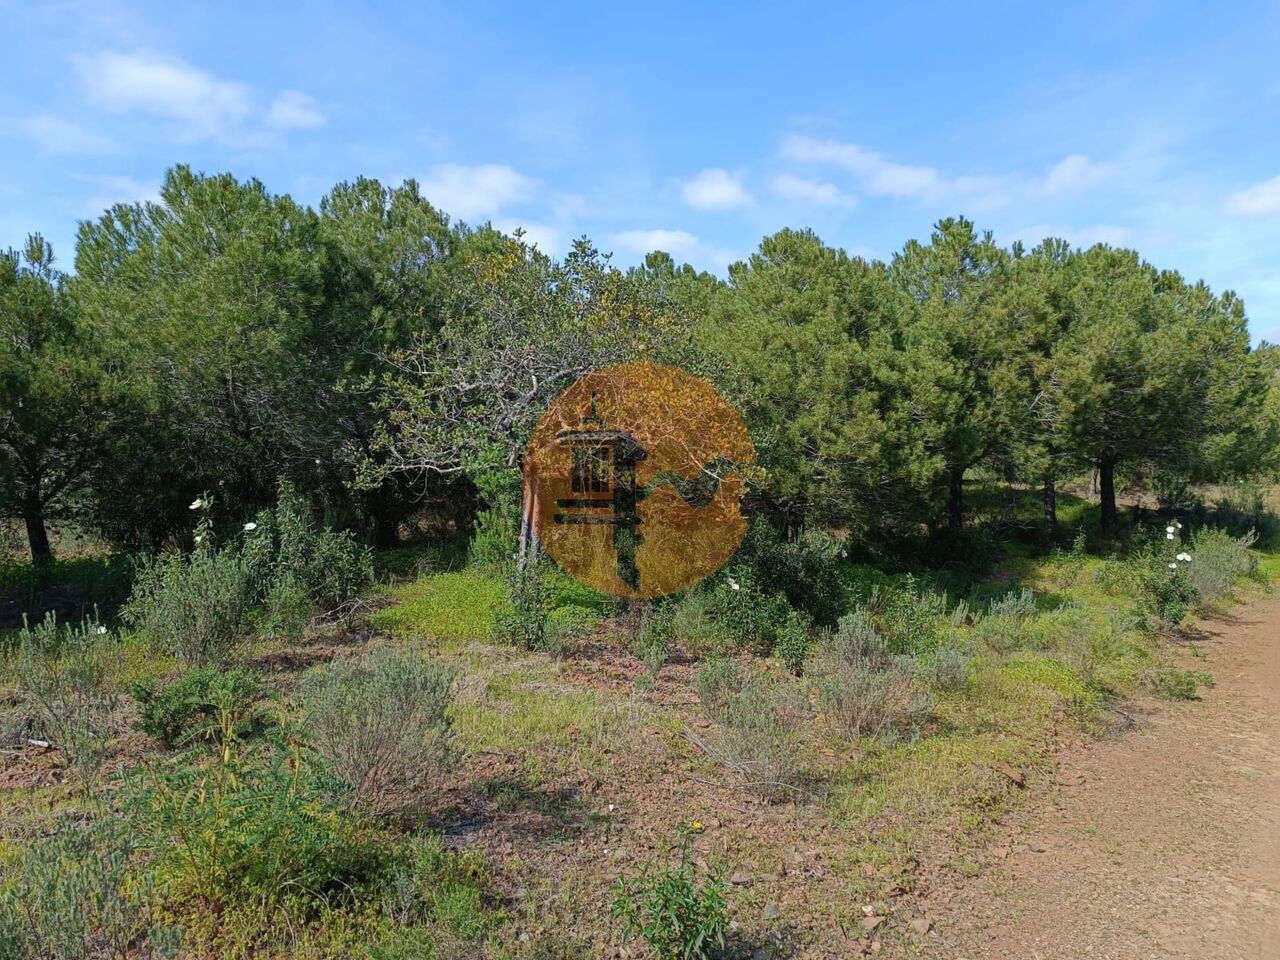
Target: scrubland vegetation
[290,694]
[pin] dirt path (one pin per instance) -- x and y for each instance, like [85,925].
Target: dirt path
[1170,844]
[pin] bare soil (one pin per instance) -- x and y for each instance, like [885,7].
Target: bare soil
[1162,842]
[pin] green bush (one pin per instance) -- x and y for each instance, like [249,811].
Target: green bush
[194,607]
[1007,624]
[224,829]
[77,893]
[1166,587]
[760,721]
[435,886]
[792,642]
[680,916]
[206,703]
[66,677]
[381,725]
[947,668]
[806,570]
[694,620]
[495,538]
[909,615]
[286,551]
[749,616]
[523,621]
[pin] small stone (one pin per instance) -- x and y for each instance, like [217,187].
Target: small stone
[921,925]
[740,878]
[868,910]
[870,923]
[1016,776]
[1036,847]
[772,912]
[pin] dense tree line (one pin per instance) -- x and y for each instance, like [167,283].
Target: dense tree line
[374,354]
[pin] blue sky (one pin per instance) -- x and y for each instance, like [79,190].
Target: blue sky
[696,128]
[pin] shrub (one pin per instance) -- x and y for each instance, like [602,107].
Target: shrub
[565,624]
[1218,560]
[791,645]
[285,550]
[194,607]
[1166,587]
[206,703]
[759,726]
[435,886]
[1173,683]
[860,684]
[74,895]
[910,616]
[223,829]
[679,916]
[805,570]
[947,669]
[65,674]
[1007,623]
[523,621]
[381,726]
[748,616]
[495,538]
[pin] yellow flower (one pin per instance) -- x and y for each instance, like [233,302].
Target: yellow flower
[696,825]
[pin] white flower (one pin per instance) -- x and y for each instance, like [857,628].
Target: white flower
[1184,557]
[844,553]
[1169,529]
[1178,524]
[611,808]
[250,527]
[199,537]
[102,630]
[1173,566]
[197,504]
[734,585]
[1168,536]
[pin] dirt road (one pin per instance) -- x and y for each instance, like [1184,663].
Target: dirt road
[1170,844]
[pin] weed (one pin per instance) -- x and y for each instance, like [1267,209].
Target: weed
[199,705]
[680,916]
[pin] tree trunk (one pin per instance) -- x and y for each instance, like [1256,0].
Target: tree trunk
[1050,502]
[37,535]
[528,521]
[955,501]
[1107,491]
[1093,483]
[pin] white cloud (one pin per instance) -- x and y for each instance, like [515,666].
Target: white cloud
[806,190]
[541,235]
[882,177]
[55,136]
[472,193]
[716,189]
[195,103]
[1260,200]
[112,190]
[646,241]
[201,105]
[294,110]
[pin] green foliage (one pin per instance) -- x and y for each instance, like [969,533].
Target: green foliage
[77,894]
[804,569]
[289,555]
[227,828]
[680,916]
[446,607]
[381,726]
[66,674]
[909,615]
[749,617]
[205,703]
[792,643]
[523,621]
[195,607]
[433,886]
[495,538]
[1175,684]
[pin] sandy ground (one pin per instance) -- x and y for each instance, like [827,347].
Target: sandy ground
[1163,842]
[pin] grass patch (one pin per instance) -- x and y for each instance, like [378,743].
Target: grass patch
[449,608]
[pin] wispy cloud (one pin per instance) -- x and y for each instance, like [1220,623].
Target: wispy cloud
[1260,200]
[681,244]
[476,193]
[879,176]
[819,193]
[546,238]
[197,104]
[716,189]
[54,136]
[293,110]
